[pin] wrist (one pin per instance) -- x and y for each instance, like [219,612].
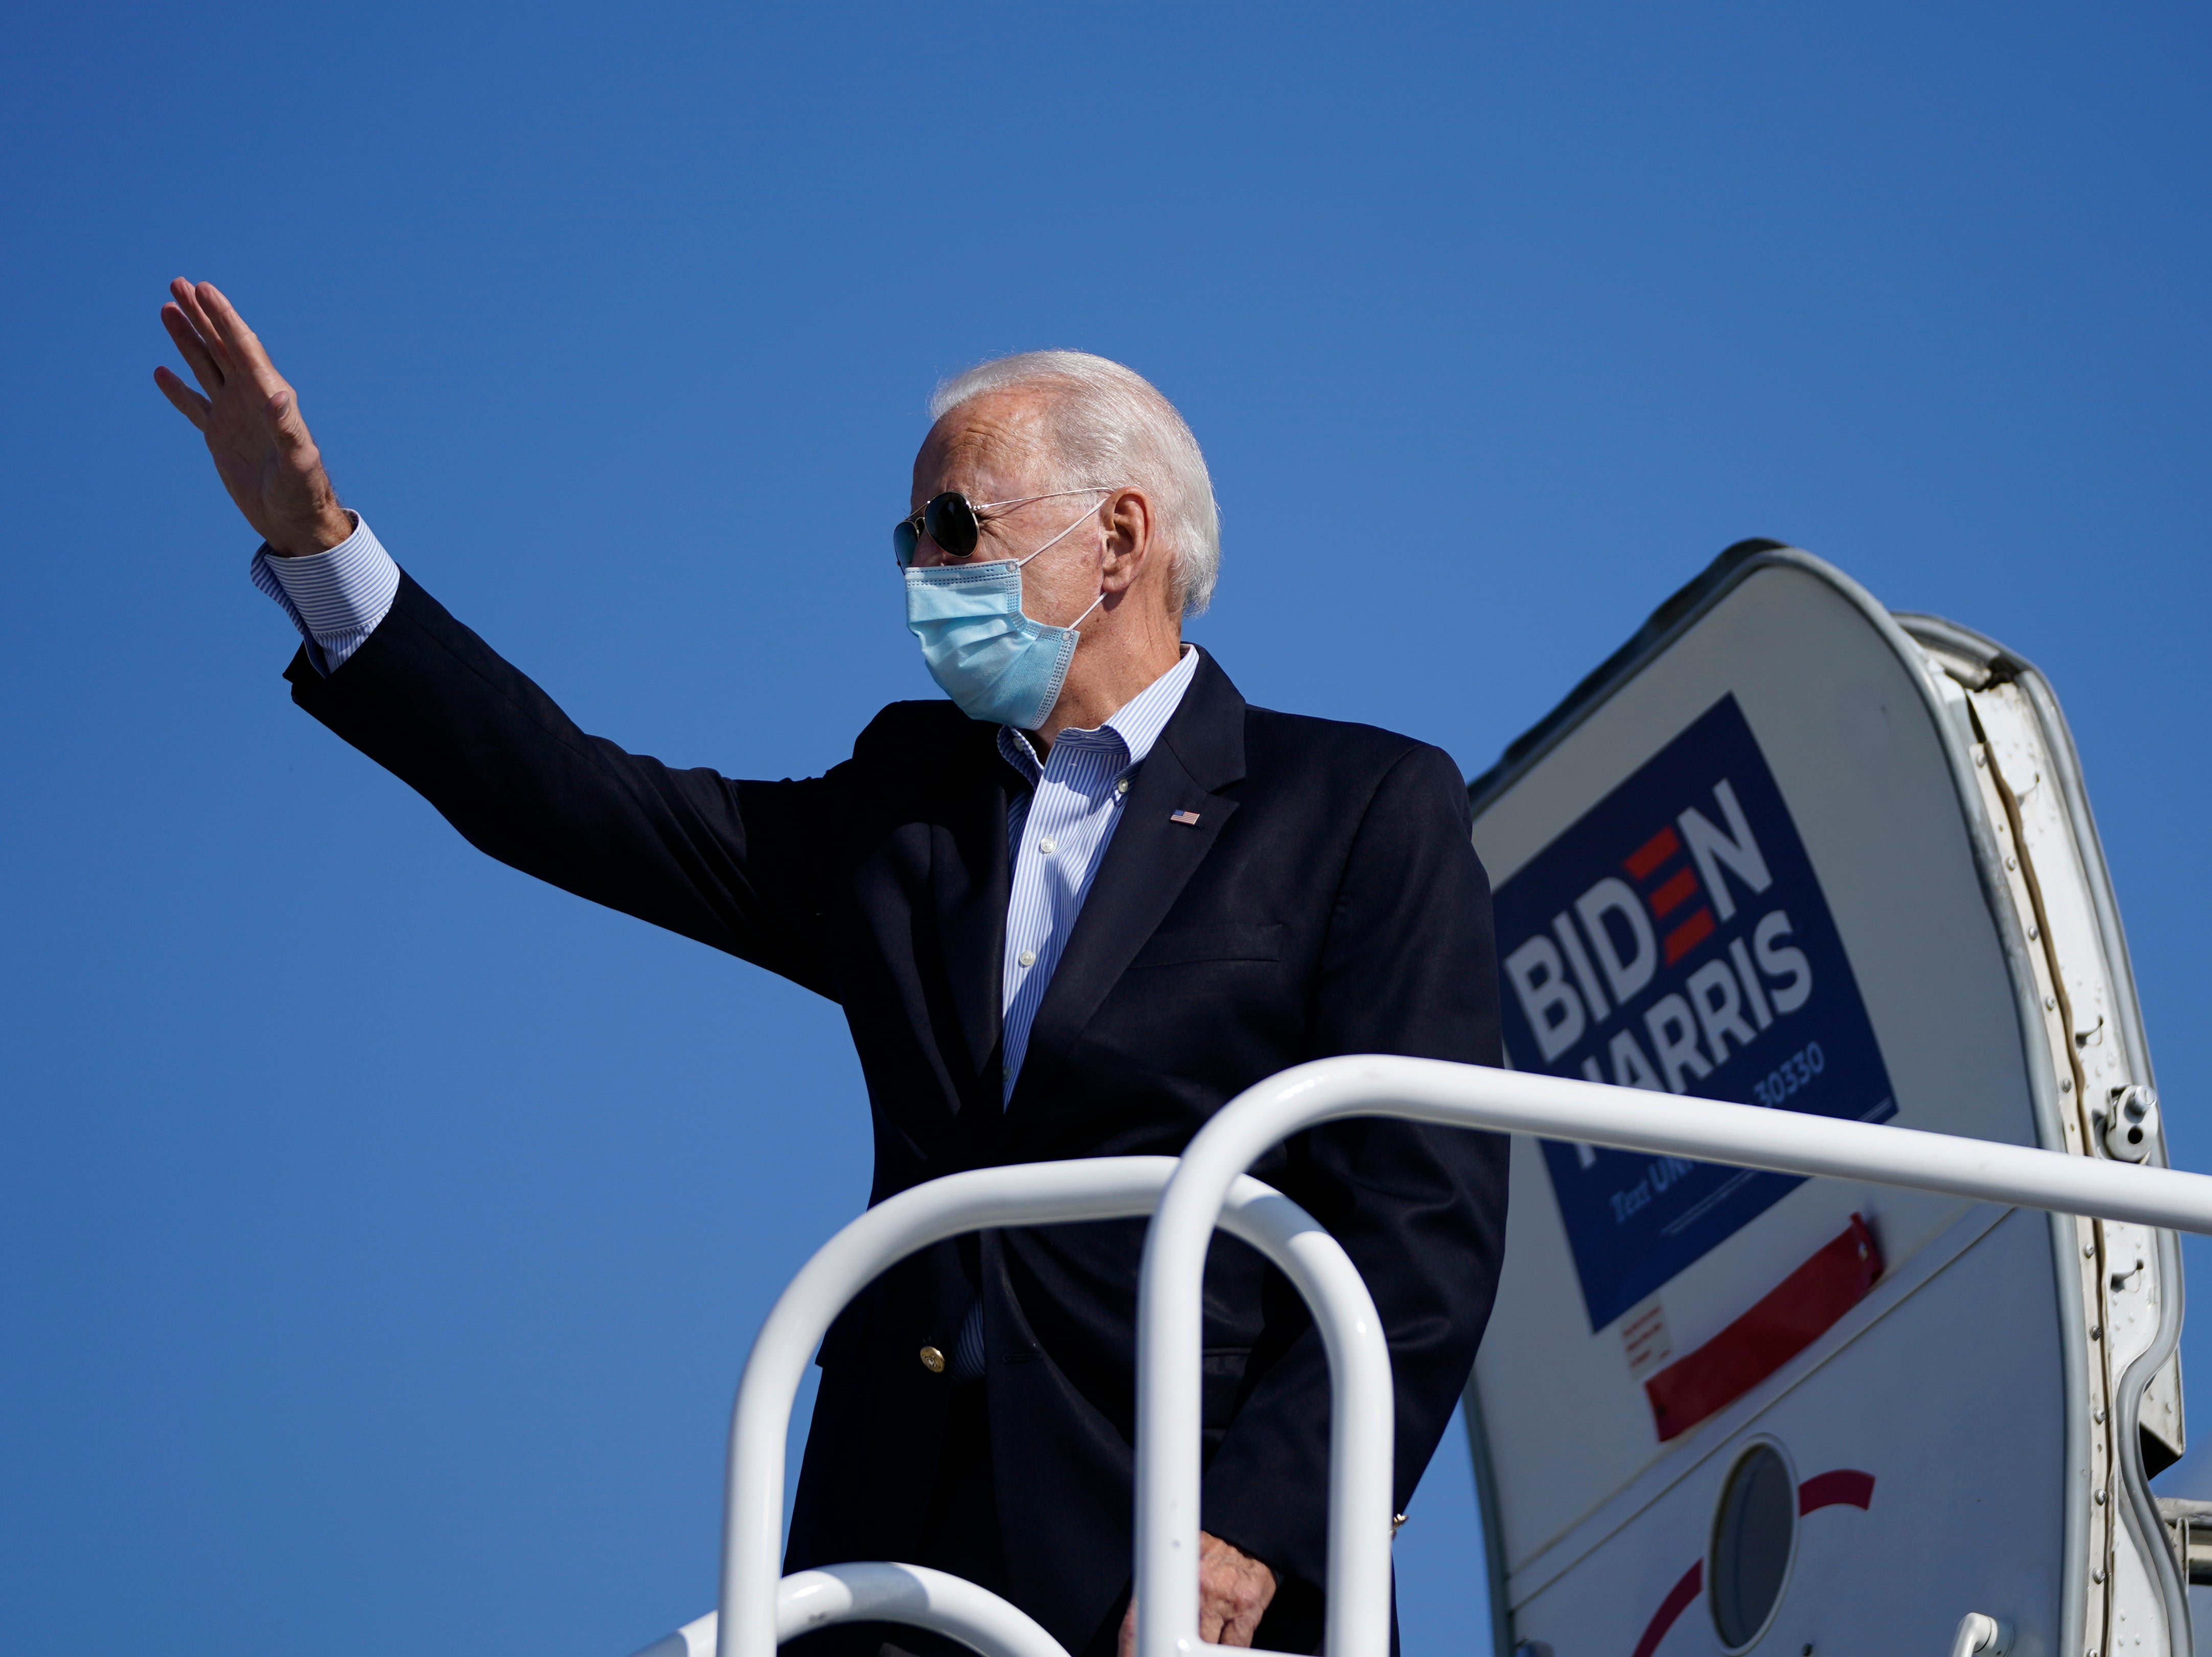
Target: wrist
[334,527]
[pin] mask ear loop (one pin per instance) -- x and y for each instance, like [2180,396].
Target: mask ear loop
[1061,537]
[1054,542]
[1085,616]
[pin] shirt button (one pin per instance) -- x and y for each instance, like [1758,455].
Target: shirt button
[1028,957]
[1045,846]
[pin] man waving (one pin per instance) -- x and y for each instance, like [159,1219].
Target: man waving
[1070,911]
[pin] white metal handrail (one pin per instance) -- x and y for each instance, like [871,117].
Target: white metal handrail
[1170,1300]
[877,1592]
[756,1611]
[1207,1188]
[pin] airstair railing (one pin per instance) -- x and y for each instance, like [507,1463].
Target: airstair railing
[1170,1296]
[756,1611]
[1208,1187]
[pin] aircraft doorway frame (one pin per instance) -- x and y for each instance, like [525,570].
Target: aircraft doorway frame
[1949,665]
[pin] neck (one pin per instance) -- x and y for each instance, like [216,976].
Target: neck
[1089,699]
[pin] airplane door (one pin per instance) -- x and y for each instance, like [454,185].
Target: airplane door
[1787,849]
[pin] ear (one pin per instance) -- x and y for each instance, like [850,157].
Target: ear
[1132,538]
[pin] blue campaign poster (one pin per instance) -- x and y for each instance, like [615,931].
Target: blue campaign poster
[1674,938]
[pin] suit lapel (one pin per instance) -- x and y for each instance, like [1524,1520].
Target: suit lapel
[1150,859]
[968,879]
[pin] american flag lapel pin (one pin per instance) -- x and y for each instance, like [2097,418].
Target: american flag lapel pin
[1188,819]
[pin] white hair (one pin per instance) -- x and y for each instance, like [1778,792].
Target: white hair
[1110,429]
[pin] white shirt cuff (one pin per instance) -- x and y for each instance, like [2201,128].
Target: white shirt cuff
[336,598]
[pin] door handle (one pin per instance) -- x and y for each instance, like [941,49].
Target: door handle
[1981,1636]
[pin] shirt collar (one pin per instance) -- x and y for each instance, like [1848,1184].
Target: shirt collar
[1136,724]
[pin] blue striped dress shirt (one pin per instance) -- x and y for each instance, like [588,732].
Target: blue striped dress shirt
[1056,835]
[335,598]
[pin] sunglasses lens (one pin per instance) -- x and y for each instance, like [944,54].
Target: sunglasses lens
[950,522]
[904,539]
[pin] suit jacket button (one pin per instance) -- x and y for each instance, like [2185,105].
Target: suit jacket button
[933,1360]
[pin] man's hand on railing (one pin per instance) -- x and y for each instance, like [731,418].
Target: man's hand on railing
[1234,1591]
[251,419]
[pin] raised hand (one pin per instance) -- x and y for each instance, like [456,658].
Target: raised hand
[251,419]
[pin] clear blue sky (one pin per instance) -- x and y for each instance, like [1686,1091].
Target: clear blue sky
[380,1234]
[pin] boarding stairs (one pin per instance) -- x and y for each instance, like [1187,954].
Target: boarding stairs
[1207,1188]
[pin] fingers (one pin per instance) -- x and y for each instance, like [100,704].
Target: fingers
[1233,1590]
[187,341]
[1242,1629]
[1215,1611]
[244,347]
[188,302]
[1228,1621]
[189,403]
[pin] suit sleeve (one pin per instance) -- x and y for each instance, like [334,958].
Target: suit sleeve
[1410,969]
[733,864]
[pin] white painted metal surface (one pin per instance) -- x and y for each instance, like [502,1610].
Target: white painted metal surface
[1465,1096]
[912,1594]
[1207,1186]
[1929,813]
[1035,1194]
[2128,1279]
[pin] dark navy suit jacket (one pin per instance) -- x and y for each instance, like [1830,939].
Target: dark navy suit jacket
[1327,901]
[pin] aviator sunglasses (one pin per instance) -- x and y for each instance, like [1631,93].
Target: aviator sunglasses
[956,524]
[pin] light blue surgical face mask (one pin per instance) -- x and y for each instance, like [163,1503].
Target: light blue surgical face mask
[993,661]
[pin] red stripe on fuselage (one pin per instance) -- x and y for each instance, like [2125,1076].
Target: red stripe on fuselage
[1676,1602]
[1789,1318]
[1843,1488]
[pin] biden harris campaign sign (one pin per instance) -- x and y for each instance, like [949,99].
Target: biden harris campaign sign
[1674,938]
